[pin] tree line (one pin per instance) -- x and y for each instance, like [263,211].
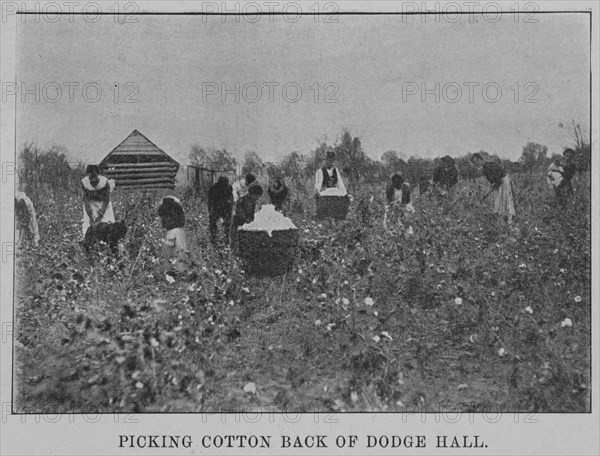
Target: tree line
[39,169]
[357,167]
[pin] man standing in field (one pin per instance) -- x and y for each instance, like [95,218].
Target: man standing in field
[329,176]
[328,179]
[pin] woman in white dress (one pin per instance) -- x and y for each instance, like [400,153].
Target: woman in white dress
[27,227]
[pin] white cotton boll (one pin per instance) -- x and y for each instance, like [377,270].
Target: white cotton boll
[269,220]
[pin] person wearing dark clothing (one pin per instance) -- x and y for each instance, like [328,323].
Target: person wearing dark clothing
[246,206]
[278,193]
[220,206]
[570,167]
[244,210]
[171,213]
[445,175]
[397,201]
[329,182]
[564,191]
[329,176]
[109,233]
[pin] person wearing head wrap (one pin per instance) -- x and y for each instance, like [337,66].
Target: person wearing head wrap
[26,218]
[245,208]
[278,193]
[554,175]
[97,206]
[445,175]
[502,187]
[398,203]
[240,187]
[172,217]
[564,187]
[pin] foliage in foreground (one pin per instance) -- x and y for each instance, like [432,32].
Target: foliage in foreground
[465,314]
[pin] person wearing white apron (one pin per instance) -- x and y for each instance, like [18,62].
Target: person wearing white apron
[97,206]
[27,227]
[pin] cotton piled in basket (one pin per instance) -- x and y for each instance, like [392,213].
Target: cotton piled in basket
[267,246]
[269,220]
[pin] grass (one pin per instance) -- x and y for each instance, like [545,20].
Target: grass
[115,336]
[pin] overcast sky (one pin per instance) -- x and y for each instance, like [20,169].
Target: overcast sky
[366,65]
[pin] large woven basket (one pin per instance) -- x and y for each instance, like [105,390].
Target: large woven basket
[332,207]
[265,255]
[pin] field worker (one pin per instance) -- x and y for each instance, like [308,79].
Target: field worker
[244,211]
[397,201]
[445,175]
[564,191]
[240,187]
[175,247]
[278,193]
[329,176]
[26,218]
[220,207]
[554,175]
[97,206]
[502,187]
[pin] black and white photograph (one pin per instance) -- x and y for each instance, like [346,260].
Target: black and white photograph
[300,208]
